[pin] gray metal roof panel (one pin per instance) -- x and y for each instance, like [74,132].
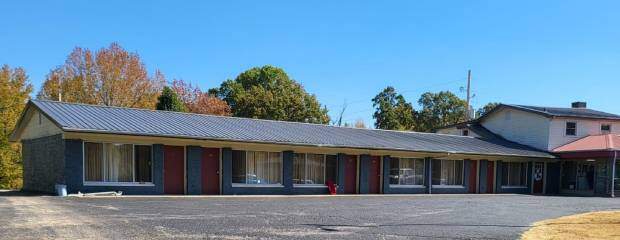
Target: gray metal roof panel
[91,118]
[568,112]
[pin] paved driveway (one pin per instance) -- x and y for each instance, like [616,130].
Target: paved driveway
[341,217]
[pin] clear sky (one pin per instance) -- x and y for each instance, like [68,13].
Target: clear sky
[524,52]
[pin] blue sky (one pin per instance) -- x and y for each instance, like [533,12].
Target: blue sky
[525,52]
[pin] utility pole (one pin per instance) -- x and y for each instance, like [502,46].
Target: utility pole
[467,115]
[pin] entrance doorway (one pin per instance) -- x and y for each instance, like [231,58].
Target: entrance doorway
[174,170]
[210,171]
[473,173]
[490,177]
[350,174]
[374,180]
[539,176]
[578,177]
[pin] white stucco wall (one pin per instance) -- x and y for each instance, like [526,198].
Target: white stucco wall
[520,126]
[585,127]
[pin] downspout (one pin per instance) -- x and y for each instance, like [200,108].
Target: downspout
[613,174]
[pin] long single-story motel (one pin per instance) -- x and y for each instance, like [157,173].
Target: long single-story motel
[97,148]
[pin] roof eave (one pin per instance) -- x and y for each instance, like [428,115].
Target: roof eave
[549,156]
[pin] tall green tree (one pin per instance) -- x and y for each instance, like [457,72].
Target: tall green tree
[392,111]
[440,109]
[15,90]
[169,101]
[483,110]
[268,93]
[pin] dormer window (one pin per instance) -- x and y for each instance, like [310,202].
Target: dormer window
[605,128]
[571,128]
[465,132]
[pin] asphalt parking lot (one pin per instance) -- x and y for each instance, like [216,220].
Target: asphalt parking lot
[340,217]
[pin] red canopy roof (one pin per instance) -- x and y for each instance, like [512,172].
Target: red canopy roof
[606,142]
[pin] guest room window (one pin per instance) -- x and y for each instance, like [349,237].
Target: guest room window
[447,172]
[406,171]
[117,163]
[309,168]
[254,167]
[514,174]
[571,128]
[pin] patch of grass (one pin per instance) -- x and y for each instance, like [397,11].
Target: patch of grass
[594,225]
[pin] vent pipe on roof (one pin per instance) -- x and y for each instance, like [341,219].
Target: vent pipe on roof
[578,105]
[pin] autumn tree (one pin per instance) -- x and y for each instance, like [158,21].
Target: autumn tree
[111,76]
[488,107]
[197,101]
[268,93]
[359,123]
[392,111]
[15,90]
[440,109]
[169,101]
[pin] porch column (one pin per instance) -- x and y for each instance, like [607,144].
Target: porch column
[341,163]
[287,171]
[364,173]
[428,175]
[227,171]
[386,174]
[194,167]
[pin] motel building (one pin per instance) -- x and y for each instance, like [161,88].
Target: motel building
[512,149]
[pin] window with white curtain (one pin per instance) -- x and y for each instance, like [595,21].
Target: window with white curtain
[117,163]
[447,172]
[309,168]
[255,167]
[406,171]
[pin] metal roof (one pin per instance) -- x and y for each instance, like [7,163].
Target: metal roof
[567,112]
[73,117]
[605,142]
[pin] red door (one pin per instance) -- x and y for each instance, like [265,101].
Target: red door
[350,174]
[490,176]
[174,174]
[375,175]
[210,171]
[539,175]
[473,172]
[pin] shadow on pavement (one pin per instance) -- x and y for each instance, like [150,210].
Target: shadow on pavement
[19,193]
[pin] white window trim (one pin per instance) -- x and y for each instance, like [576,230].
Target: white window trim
[566,128]
[120,184]
[406,186]
[241,185]
[115,184]
[449,186]
[297,185]
[414,167]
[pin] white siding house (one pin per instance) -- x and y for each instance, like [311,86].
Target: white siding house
[519,126]
[584,127]
[544,128]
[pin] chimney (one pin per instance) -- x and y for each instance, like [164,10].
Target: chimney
[578,105]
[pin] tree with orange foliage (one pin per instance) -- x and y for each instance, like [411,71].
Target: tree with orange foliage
[197,101]
[111,76]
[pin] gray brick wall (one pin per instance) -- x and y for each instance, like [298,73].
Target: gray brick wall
[43,163]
